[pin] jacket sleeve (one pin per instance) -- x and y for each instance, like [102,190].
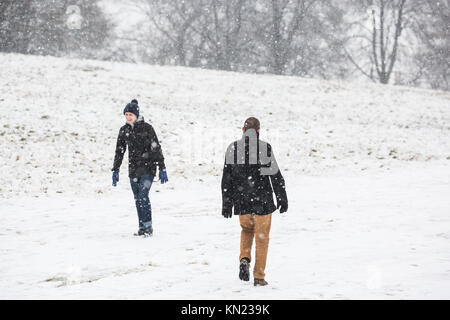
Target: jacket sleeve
[121,147]
[279,188]
[155,149]
[278,184]
[227,183]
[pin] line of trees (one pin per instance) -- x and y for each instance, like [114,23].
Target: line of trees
[276,36]
[385,41]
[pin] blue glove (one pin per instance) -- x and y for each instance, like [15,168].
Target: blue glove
[115,178]
[163,176]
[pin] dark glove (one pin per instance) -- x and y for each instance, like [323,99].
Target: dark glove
[115,178]
[283,206]
[227,212]
[163,176]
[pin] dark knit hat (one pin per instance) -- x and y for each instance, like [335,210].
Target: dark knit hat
[132,107]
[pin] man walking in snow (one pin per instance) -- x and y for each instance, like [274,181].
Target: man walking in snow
[249,173]
[144,153]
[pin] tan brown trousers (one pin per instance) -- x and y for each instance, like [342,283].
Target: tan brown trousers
[258,227]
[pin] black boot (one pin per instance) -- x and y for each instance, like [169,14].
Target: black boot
[148,232]
[244,273]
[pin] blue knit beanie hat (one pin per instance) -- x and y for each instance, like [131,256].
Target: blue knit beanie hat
[132,107]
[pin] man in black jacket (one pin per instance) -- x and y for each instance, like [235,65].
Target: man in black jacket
[144,153]
[249,174]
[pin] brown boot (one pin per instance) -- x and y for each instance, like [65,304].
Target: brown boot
[260,282]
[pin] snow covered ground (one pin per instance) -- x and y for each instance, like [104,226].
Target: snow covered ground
[366,168]
[375,236]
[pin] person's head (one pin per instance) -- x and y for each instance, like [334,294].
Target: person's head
[251,123]
[130,117]
[131,111]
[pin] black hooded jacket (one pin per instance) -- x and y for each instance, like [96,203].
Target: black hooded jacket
[144,150]
[248,182]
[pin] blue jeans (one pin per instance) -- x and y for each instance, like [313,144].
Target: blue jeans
[141,187]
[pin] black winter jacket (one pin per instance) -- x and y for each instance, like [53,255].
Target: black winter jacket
[144,150]
[243,185]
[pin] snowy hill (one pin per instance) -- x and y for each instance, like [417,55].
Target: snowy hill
[366,168]
[61,118]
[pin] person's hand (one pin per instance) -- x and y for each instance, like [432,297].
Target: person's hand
[227,212]
[163,176]
[115,178]
[283,206]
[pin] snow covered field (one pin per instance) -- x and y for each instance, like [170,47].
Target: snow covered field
[367,169]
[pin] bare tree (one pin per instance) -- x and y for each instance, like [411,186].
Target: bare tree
[431,24]
[380,37]
[220,31]
[173,21]
[318,47]
[286,17]
[385,60]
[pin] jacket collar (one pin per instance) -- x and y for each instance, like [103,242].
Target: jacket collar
[250,133]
